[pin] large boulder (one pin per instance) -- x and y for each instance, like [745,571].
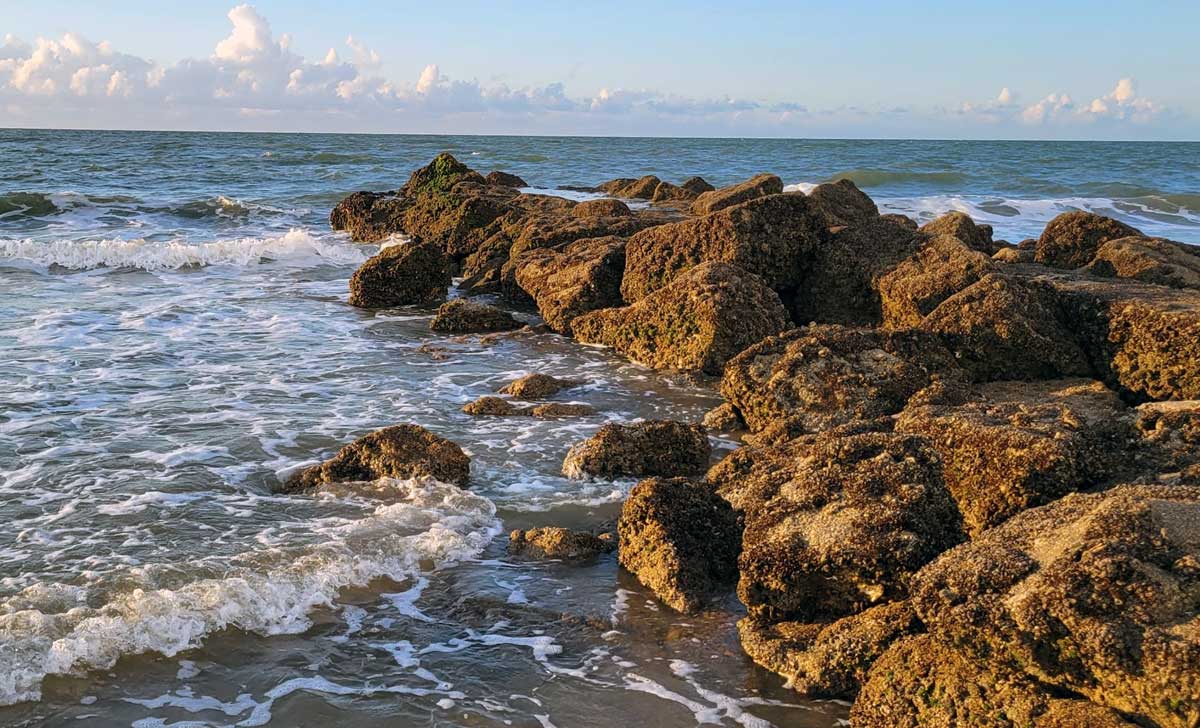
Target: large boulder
[369,216]
[401,275]
[681,540]
[566,283]
[960,225]
[1011,446]
[555,542]
[1003,328]
[399,451]
[769,236]
[1150,260]
[697,323]
[817,377]
[504,179]
[696,185]
[941,267]
[758,186]
[641,188]
[603,207]
[1072,239]
[461,316]
[921,683]
[855,519]
[1093,594]
[667,192]
[439,176]
[654,447]
[842,203]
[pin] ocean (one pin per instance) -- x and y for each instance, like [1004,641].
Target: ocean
[174,339]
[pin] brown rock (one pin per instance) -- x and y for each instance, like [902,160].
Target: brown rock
[632,189]
[654,447]
[553,542]
[941,267]
[461,316]
[723,418]
[1094,594]
[604,207]
[495,407]
[697,323]
[842,203]
[566,283]
[1150,260]
[504,179]
[399,451]
[1072,239]
[1170,439]
[680,540]
[960,225]
[757,186]
[369,216]
[696,185]
[667,192]
[538,386]
[769,237]
[1013,255]
[552,410]
[401,275]
[439,176]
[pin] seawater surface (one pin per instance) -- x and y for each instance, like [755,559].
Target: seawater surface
[174,339]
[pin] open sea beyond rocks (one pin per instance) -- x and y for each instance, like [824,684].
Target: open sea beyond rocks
[175,341]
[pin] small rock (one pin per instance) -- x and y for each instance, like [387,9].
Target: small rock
[504,179]
[461,316]
[723,418]
[696,185]
[399,451]
[605,207]
[538,386]
[655,447]
[552,410]
[495,407]
[553,542]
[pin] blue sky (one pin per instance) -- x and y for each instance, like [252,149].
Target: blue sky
[923,69]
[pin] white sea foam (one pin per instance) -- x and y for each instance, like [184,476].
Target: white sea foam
[296,247]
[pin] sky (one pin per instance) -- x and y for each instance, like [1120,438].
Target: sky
[922,69]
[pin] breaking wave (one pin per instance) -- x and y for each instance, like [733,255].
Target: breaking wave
[420,524]
[295,247]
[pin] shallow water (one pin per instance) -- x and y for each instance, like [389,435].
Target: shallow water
[175,339]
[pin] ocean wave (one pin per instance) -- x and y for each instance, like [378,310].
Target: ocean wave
[880,177]
[27,204]
[296,247]
[419,524]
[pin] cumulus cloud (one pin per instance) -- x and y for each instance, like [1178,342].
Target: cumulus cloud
[1121,104]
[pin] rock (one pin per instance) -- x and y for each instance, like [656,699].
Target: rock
[566,283]
[920,683]
[696,324]
[770,237]
[841,282]
[1001,328]
[667,192]
[399,451]
[604,207]
[1142,340]
[461,316]
[538,386]
[1017,445]
[827,659]
[758,186]
[401,275]
[696,185]
[553,542]
[460,220]
[940,268]
[439,176]
[552,410]
[495,407]
[504,179]
[960,225]
[654,447]
[1013,255]
[1094,594]
[1072,239]
[1150,260]
[723,418]
[369,216]
[823,376]
[842,203]
[855,519]
[902,220]
[632,189]
[680,540]
[1170,437]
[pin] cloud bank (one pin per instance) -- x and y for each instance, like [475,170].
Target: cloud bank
[253,79]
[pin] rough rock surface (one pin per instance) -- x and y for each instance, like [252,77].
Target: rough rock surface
[604,207]
[641,188]
[941,267]
[960,225]
[842,203]
[401,275]
[566,283]
[538,386]
[821,376]
[505,179]
[500,407]
[680,540]
[1013,255]
[1170,441]
[769,236]
[723,418]
[758,186]
[697,323]
[1150,260]
[1012,446]
[440,175]
[696,185]
[827,659]
[1072,239]
[654,447]
[1094,593]
[667,192]
[1001,328]
[399,451]
[553,542]
[461,316]
[855,518]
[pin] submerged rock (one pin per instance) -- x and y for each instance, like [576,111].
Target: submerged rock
[758,186]
[941,267]
[1072,239]
[680,540]
[654,447]
[1150,260]
[538,386]
[399,451]
[566,283]
[401,275]
[499,407]
[697,323]
[461,316]
[1092,594]
[842,203]
[552,542]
